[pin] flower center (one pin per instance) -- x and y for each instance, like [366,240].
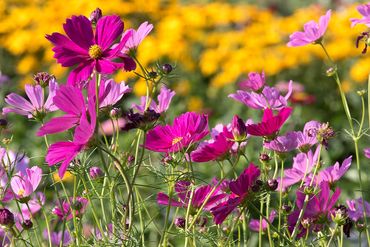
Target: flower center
[95,52]
[176,140]
[21,192]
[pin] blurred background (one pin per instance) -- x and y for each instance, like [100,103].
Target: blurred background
[213,45]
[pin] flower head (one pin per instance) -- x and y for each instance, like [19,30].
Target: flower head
[111,92]
[64,211]
[364,10]
[283,144]
[356,209]
[24,184]
[164,99]
[254,82]
[137,36]
[312,33]
[186,130]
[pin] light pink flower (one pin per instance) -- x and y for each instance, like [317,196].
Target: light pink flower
[137,36]
[24,184]
[254,82]
[364,10]
[112,92]
[164,99]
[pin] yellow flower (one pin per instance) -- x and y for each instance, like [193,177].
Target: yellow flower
[68,177]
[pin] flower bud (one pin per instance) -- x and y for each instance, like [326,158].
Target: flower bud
[130,159]
[324,133]
[3,123]
[339,215]
[264,158]
[360,226]
[306,223]
[308,190]
[239,129]
[27,224]
[77,205]
[153,74]
[6,217]
[272,184]
[43,79]
[286,208]
[361,92]
[180,222]
[331,71]
[95,172]
[95,16]
[166,68]
[114,113]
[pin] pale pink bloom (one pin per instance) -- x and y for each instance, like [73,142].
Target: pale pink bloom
[364,10]
[254,82]
[137,36]
[113,92]
[367,152]
[24,184]
[283,144]
[356,209]
[164,99]
[34,206]
[333,173]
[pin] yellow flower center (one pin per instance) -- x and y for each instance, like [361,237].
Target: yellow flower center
[21,192]
[176,140]
[95,51]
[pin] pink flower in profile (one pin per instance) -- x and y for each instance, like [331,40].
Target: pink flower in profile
[254,82]
[24,184]
[240,189]
[164,99]
[64,211]
[283,144]
[187,129]
[214,149]
[137,36]
[313,32]
[270,124]
[36,107]
[254,224]
[112,92]
[90,50]
[333,173]
[183,191]
[367,152]
[364,10]
[65,152]
[269,98]
[356,209]
[318,208]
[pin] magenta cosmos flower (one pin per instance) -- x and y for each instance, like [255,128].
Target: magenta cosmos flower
[317,211]
[164,99]
[24,184]
[364,10]
[183,191]
[240,189]
[186,130]
[65,152]
[270,124]
[254,82]
[64,211]
[36,107]
[137,36]
[312,33]
[90,50]
[254,224]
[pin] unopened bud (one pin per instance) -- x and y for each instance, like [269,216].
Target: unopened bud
[239,129]
[43,79]
[286,208]
[95,172]
[6,217]
[3,123]
[264,158]
[153,74]
[339,215]
[95,16]
[180,222]
[27,224]
[331,71]
[166,68]
[272,184]
[114,113]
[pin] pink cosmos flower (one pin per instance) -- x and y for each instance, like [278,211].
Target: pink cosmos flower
[313,32]
[333,173]
[254,224]
[34,206]
[254,82]
[214,149]
[269,98]
[283,144]
[64,211]
[318,208]
[356,209]
[70,100]
[36,107]
[367,152]
[270,124]
[112,92]
[240,189]
[183,191]
[65,152]
[308,137]
[137,36]
[90,50]
[364,10]
[58,237]
[186,130]
[24,184]
[164,99]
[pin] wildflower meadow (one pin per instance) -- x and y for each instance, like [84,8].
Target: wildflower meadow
[165,123]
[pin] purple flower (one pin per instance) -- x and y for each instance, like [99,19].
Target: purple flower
[313,32]
[58,237]
[318,208]
[32,207]
[356,209]
[95,172]
[283,144]
[254,224]
[367,152]
[164,99]
[333,173]
[270,124]
[36,107]
[254,82]
[112,92]
[137,36]
[240,189]
[364,10]
[88,49]
[64,211]
[269,98]
[24,184]
[214,149]
[183,190]
[186,130]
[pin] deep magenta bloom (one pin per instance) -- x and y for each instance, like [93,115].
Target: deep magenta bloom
[356,209]
[318,208]
[164,99]
[36,107]
[64,211]
[183,191]
[364,10]
[254,224]
[269,98]
[254,82]
[186,130]
[283,144]
[90,50]
[270,124]
[137,36]
[312,31]
[240,189]
[214,149]
[24,184]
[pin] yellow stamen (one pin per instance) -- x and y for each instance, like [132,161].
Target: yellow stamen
[176,140]
[21,192]
[95,51]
